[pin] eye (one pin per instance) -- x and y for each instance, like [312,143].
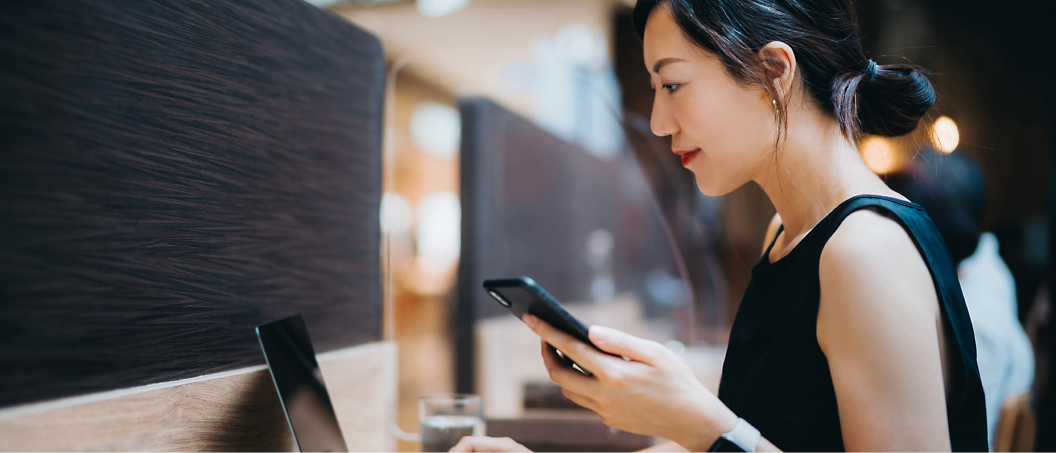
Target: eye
[671,87]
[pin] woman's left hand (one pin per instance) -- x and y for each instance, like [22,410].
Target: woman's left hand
[484,443]
[651,392]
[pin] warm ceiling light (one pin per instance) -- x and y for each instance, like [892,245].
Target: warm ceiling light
[880,155]
[944,134]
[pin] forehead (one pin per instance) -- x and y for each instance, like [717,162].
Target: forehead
[662,37]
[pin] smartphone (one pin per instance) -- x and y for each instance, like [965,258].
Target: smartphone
[523,295]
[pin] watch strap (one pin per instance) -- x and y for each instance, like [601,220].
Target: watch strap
[722,444]
[743,437]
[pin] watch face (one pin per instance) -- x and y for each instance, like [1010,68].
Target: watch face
[724,444]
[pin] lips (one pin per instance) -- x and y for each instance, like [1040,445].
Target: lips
[688,155]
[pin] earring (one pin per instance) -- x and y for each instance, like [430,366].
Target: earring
[776,110]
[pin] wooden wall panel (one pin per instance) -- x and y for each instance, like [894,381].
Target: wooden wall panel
[173,173]
[234,411]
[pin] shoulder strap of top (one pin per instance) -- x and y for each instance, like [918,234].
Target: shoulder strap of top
[967,386]
[773,242]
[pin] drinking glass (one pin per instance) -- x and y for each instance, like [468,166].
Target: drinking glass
[446,419]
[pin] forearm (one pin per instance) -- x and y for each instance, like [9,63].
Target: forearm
[765,447]
[666,446]
[709,420]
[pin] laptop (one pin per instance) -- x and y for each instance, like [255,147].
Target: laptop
[291,360]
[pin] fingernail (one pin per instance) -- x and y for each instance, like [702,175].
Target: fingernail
[530,320]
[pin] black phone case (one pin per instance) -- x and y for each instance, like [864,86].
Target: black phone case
[523,295]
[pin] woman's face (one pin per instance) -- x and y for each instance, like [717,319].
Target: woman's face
[723,130]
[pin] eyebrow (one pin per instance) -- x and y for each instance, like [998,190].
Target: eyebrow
[664,62]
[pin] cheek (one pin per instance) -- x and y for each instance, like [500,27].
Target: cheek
[734,130]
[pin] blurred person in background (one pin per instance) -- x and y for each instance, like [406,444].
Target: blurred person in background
[952,189]
[849,336]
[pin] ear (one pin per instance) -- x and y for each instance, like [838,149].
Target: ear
[780,62]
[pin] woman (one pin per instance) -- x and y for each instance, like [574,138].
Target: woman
[853,333]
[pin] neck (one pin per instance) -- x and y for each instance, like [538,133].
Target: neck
[816,169]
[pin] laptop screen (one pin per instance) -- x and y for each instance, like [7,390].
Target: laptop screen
[302,392]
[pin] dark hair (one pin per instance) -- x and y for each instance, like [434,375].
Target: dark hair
[886,100]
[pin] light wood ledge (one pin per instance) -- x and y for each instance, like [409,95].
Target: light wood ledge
[232,411]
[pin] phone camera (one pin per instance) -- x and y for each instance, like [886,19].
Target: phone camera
[499,298]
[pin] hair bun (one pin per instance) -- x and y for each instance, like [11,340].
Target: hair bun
[894,101]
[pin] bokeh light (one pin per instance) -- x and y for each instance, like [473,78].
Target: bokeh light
[436,129]
[439,228]
[945,135]
[438,8]
[396,214]
[880,155]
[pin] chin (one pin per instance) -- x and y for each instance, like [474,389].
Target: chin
[715,190]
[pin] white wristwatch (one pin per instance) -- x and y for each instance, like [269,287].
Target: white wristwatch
[743,437]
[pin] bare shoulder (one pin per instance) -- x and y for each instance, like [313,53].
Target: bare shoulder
[868,241]
[879,327]
[871,269]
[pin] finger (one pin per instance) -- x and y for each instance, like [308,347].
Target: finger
[578,351]
[464,444]
[623,344]
[561,358]
[504,444]
[565,376]
[482,443]
[581,400]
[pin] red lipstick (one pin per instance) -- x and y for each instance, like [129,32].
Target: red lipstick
[688,155]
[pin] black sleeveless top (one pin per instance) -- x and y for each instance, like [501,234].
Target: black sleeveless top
[775,375]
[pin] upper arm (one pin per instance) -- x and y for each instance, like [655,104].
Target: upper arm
[771,231]
[879,327]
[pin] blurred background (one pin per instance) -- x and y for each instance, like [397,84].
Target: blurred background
[517,142]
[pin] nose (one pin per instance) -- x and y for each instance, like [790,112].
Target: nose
[660,121]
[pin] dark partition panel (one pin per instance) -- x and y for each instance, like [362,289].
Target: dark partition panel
[173,173]
[692,220]
[531,204]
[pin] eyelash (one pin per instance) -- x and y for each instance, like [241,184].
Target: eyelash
[670,87]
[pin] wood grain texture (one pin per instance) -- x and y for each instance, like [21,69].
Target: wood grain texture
[238,412]
[173,173]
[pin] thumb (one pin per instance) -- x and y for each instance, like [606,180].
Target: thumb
[624,344]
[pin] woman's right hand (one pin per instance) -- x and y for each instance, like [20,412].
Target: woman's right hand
[639,386]
[483,443]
